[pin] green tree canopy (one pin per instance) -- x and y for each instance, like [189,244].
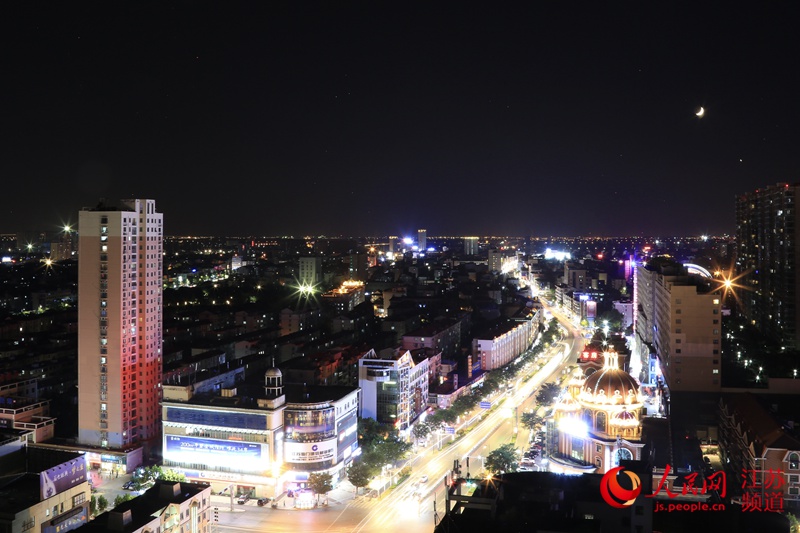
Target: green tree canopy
[615,320]
[531,420]
[168,474]
[548,393]
[421,431]
[380,443]
[102,503]
[502,460]
[122,498]
[360,474]
[320,483]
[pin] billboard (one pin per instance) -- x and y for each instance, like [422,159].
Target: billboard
[309,452]
[62,477]
[309,424]
[177,445]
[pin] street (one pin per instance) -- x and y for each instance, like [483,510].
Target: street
[399,509]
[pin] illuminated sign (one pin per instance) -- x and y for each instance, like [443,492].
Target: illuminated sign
[309,452]
[62,477]
[180,446]
[589,356]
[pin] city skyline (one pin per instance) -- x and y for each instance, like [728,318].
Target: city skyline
[350,120]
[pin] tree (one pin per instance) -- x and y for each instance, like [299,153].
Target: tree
[531,420]
[501,460]
[360,474]
[421,431]
[613,317]
[171,475]
[320,483]
[548,393]
[93,505]
[102,503]
[122,498]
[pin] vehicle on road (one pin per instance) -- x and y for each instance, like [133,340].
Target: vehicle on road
[262,502]
[243,499]
[129,485]
[423,479]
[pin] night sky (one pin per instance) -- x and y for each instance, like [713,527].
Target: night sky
[377,118]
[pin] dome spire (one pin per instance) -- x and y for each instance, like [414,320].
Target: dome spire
[611,360]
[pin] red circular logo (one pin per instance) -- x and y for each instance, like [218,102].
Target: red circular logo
[614,494]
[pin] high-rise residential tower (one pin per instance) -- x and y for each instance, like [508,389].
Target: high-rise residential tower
[422,239]
[678,327]
[310,271]
[767,261]
[119,324]
[470,246]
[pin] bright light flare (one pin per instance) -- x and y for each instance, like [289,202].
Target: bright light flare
[574,427]
[728,284]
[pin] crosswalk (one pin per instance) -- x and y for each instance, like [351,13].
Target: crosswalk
[361,501]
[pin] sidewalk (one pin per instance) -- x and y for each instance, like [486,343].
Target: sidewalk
[343,494]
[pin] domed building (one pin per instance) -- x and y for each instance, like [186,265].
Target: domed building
[598,423]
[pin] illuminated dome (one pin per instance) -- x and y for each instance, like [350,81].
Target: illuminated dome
[568,404]
[273,373]
[624,419]
[610,385]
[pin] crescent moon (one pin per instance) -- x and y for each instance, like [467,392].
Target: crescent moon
[701,113]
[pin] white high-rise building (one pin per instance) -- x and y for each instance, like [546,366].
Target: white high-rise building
[119,324]
[310,271]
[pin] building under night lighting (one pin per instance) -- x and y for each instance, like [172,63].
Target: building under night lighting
[767,259]
[119,316]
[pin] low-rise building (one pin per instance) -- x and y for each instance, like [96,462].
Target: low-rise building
[167,507]
[753,443]
[43,490]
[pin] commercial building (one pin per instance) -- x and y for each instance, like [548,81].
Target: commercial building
[42,490]
[598,423]
[678,327]
[167,507]
[394,386]
[120,325]
[256,436]
[422,239]
[767,261]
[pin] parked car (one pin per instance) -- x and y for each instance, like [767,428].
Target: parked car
[244,498]
[262,502]
[129,485]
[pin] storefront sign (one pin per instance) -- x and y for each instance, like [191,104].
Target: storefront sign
[309,452]
[177,445]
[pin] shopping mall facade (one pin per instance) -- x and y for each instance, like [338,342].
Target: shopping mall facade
[259,437]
